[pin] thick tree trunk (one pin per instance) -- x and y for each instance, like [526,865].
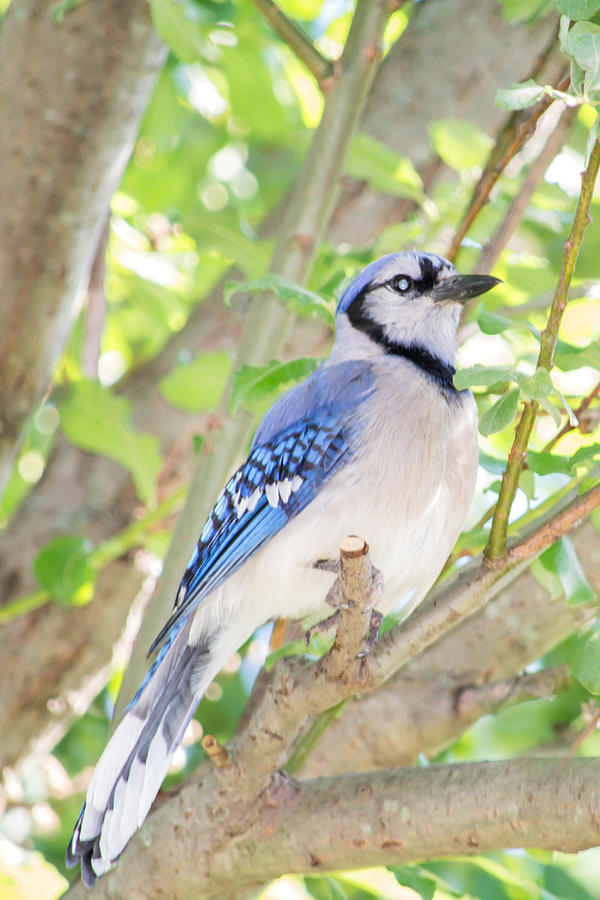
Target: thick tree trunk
[72,96]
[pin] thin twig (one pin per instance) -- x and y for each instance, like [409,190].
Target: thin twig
[357,588]
[517,130]
[556,528]
[106,552]
[474,701]
[495,550]
[519,203]
[577,413]
[591,726]
[296,40]
[215,751]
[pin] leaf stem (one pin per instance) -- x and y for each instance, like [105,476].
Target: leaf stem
[495,550]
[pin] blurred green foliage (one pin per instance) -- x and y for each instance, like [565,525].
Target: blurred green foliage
[220,145]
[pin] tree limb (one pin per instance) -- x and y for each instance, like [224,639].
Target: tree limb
[63,156]
[493,248]
[351,821]
[495,550]
[297,40]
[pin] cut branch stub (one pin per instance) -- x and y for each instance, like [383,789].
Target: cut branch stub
[354,593]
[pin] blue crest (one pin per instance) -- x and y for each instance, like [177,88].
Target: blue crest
[368,274]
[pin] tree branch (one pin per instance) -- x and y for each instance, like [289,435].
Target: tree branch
[495,550]
[64,154]
[297,40]
[515,133]
[236,793]
[509,224]
[419,704]
[379,818]
[585,403]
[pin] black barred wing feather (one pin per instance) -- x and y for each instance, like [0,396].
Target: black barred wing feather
[279,478]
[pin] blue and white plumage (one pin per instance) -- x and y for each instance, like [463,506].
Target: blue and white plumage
[377,442]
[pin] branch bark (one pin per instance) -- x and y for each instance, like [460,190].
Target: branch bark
[354,821]
[74,94]
[235,795]
[297,40]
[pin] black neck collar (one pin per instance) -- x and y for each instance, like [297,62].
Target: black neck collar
[431,365]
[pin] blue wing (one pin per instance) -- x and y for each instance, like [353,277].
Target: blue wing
[291,457]
[278,479]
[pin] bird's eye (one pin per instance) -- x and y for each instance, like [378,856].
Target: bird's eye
[402,283]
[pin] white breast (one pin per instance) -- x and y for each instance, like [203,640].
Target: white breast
[406,491]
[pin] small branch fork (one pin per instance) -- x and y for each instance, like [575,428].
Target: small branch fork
[495,551]
[322,69]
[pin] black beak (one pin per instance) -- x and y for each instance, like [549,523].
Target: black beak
[461,288]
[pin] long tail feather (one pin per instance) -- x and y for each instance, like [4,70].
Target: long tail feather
[137,757]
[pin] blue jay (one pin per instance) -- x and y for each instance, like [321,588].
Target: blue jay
[377,442]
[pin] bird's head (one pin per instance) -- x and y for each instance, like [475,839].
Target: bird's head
[411,299]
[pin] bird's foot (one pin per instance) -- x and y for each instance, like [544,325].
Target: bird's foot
[321,627]
[372,634]
[327,565]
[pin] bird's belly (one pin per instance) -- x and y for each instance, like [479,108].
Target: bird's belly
[407,545]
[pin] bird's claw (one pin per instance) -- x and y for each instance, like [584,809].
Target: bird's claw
[372,634]
[321,627]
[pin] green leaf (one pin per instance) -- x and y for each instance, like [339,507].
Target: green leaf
[299,298]
[586,665]
[523,10]
[500,414]
[482,376]
[584,455]
[63,568]
[461,144]
[324,887]
[537,386]
[548,463]
[582,44]
[410,876]
[578,9]
[492,323]
[561,563]
[177,29]
[569,357]
[551,409]
[491,464]
[519,96]
[369,160]
[253,383]
[62,7]
[197,385]
[527,483]
[95,419]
